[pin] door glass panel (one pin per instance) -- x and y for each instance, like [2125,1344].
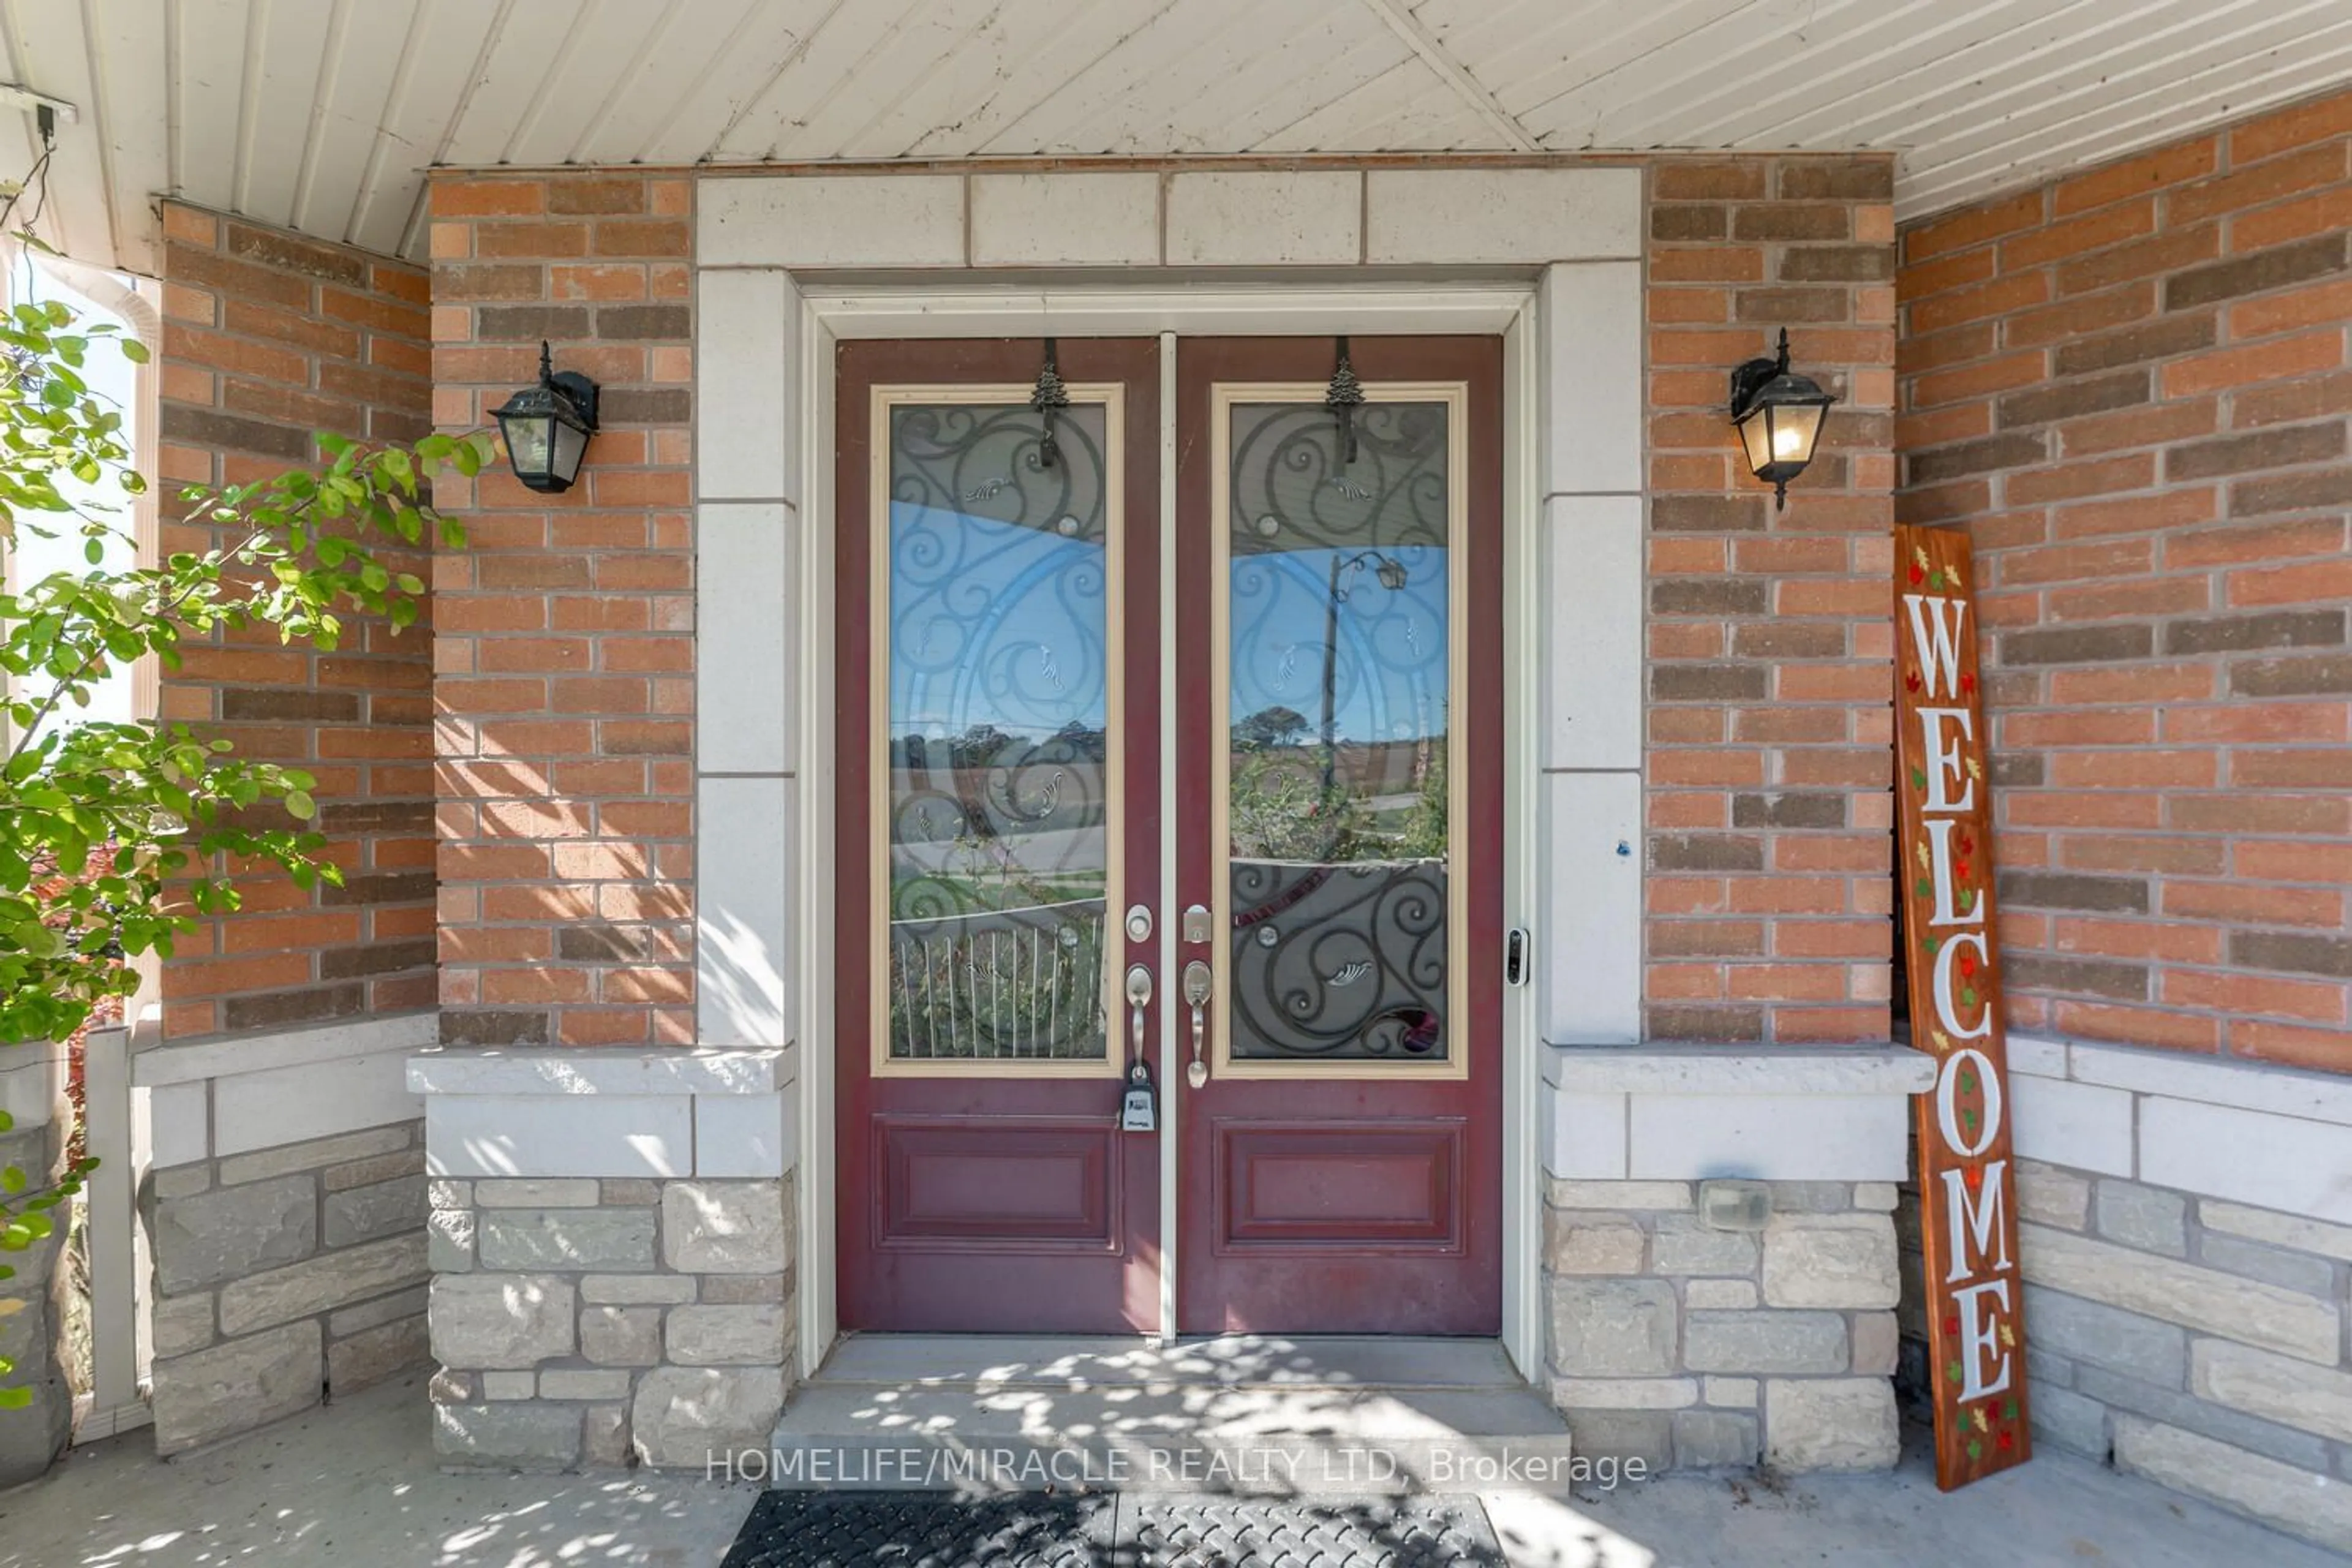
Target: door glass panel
[999,839]
[1340,697]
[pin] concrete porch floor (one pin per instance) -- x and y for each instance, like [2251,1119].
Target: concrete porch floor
[355,1483]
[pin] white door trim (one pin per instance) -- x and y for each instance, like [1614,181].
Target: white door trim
[930,309]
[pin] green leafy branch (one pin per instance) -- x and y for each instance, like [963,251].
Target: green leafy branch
[149,821]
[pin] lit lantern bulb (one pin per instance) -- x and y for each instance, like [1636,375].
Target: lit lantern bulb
[1786,441]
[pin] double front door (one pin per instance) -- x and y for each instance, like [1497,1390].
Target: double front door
[1205,802]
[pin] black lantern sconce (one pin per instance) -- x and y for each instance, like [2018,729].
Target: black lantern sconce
[1778,416]
[547,428]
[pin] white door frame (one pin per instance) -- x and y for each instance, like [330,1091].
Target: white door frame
[830,315]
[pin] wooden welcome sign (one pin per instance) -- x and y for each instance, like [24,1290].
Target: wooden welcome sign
[1976,1336]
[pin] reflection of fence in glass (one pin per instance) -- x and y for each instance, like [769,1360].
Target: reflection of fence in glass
[999,984]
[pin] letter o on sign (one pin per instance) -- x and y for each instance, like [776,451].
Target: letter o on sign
[1947,1108]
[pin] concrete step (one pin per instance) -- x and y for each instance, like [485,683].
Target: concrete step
[1245,1414]
[1231,1360]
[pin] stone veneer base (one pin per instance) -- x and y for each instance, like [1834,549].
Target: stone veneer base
[2186,1239]
[32,1298]
[614,1251]
[1692,1347]
[285,1218]
[283,1273]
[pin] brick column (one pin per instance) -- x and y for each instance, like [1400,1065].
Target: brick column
[1770,740]
[564,650]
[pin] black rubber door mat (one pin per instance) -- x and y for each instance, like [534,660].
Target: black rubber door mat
[1120,1530]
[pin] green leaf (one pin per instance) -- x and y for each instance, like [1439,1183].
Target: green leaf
[1918,778]
[135,352]
[299,804]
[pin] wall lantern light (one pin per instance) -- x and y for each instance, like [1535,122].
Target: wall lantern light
[1778,416]
[547,426]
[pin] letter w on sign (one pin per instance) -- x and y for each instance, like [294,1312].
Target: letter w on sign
[1976,1334]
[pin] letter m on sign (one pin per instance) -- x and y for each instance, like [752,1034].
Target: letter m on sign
[1943,890]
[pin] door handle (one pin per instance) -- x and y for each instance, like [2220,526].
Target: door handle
[1138,997]
[1197,986]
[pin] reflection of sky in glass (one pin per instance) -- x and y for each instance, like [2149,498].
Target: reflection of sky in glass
[993,624]
[1388,680]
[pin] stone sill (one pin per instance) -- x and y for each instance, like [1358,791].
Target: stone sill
[223,1057]
[2178,1074]
[1718,1069]
[33,1082]
[697,1070]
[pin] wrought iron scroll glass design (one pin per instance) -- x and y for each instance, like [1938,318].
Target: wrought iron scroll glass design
[1337,798]
[998,708]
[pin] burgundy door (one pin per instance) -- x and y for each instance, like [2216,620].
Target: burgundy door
[999,767]
[1339,817]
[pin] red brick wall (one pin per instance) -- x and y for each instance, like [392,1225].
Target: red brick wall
[1768,677]
[267,337]
[565,634]
[2130,387]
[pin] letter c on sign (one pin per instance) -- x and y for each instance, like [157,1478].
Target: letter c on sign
[1948,1109]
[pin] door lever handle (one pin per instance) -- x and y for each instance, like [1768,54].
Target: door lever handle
[1138,997]
[1197,986]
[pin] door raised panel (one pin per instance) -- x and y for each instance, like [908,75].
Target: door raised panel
[1353,1184]
[996,1180]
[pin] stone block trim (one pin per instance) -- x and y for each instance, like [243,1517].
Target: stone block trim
[2130,387]
[1698,1347]
[565,636]
[267,337]
[1768,750]
[617,1321]
[284,1274]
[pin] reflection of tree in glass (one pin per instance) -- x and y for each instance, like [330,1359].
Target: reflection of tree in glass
[1276,726]
[1281,810]
[979,746]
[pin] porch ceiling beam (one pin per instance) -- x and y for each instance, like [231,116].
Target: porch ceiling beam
[1407,26]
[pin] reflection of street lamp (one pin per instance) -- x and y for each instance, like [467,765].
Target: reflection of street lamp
[1391,575]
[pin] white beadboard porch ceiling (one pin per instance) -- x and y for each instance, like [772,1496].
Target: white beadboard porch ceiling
[321,115]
